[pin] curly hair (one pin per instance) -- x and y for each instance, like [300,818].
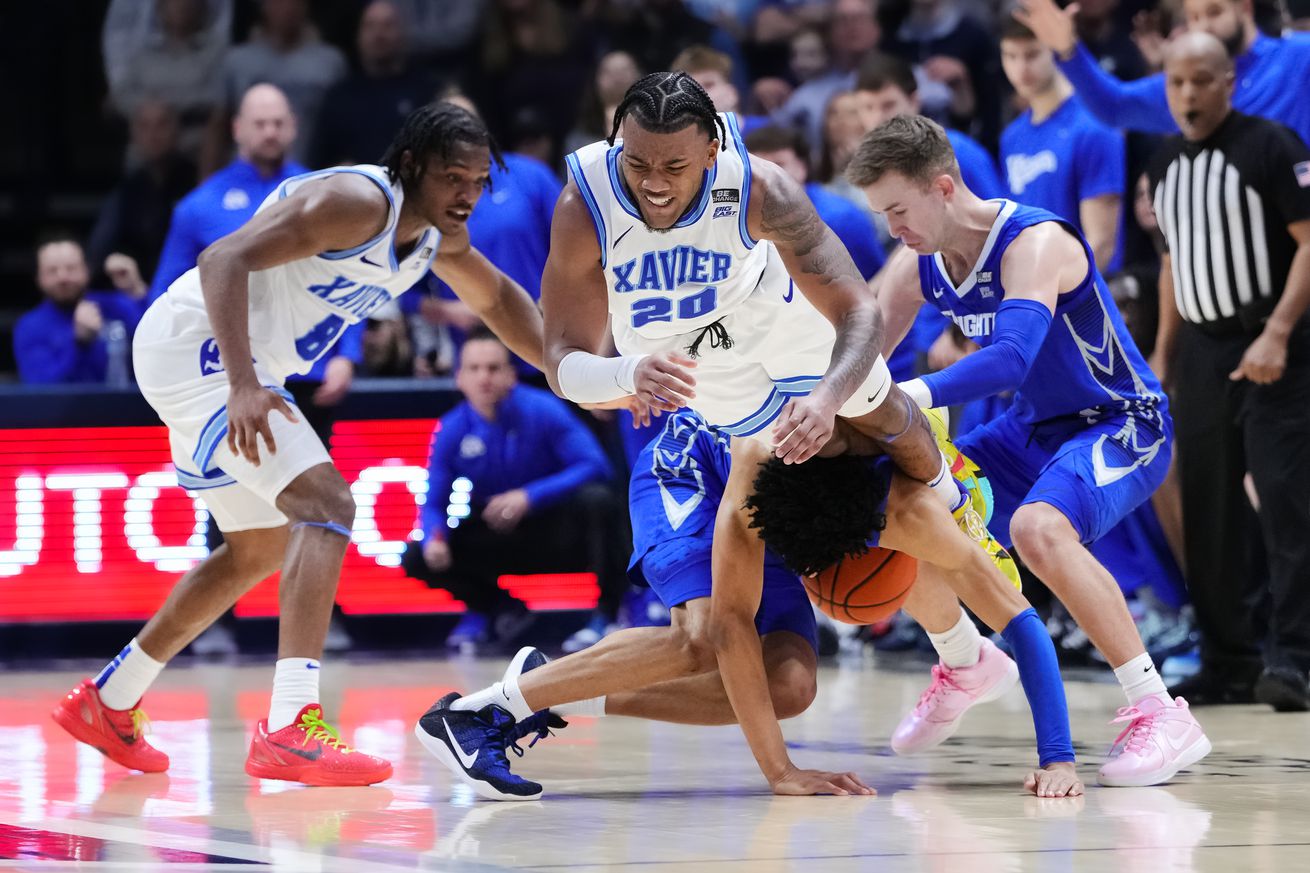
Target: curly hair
[815,513]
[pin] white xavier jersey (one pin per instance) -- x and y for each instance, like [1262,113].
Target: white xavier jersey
[298,309]
[662,284]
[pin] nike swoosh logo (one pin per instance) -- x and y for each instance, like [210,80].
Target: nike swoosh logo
[1107,474]
[465,759]
[311,666]
[621,236]
[307,754]
[367,261]
[791,292]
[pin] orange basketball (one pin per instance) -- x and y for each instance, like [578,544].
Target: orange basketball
[866,589]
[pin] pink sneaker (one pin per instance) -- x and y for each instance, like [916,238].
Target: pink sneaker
[1162,737]
[939,711]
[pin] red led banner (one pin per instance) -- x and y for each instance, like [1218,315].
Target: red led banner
[94,527]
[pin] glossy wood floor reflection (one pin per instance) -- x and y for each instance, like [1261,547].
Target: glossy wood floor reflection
[631,796]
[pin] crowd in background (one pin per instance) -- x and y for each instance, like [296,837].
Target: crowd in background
[224,99]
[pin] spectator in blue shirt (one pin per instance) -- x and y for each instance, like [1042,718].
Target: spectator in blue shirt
[712,70]
[1056,155]
[1270,81]
[264,130]
[76,335]
[516,484]
[886,87]
[787,148]
[511,226]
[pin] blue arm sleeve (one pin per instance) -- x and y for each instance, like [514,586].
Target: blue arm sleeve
[1021,327]
[1139,105]
[581,458]
[440,476]
[1040,674]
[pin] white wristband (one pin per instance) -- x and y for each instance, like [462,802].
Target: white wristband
[588,378]
[918,391]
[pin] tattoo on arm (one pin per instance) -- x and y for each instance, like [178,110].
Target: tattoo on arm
[788,219]
[859,341]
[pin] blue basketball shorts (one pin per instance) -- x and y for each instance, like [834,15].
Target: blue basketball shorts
[678,570]
[1093,474]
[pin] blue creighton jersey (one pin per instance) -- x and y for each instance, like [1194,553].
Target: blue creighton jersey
[1088,365]
[677,482]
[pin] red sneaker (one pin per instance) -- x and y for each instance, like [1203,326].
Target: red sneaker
[119,734]
[309,750]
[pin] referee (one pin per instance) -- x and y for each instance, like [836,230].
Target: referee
[1232,197]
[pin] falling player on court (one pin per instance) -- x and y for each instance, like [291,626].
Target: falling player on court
[725,292]
[1088,436]
[324,251]
[671,674]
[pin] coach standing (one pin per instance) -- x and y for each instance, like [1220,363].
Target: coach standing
[1232,196]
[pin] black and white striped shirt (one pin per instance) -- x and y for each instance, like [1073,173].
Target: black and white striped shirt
[1223,206]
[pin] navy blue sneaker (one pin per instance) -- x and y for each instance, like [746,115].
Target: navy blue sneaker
[472,746]
[540,723]
[527,658]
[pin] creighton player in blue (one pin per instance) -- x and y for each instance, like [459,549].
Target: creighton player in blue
[1088,436]
[323,251]
[669,674]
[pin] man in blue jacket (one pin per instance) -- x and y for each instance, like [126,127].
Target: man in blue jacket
[1271,72]
[516,484]
[77,335]
[264,129]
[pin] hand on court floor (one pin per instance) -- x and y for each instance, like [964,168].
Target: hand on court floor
[1053,26]
[1054,780]
[804,426]
[248,410]
[506,510]
[664,381]
[798,782]
[1263,362]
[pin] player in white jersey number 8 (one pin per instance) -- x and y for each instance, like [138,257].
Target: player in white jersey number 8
[323,251]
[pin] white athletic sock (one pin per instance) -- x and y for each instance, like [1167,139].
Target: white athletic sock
[593,707]
[945,487]
[961,646]
[1140,679]
[126,678]
[506,695]
[295,685]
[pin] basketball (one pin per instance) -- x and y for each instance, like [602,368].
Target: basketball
[864,589]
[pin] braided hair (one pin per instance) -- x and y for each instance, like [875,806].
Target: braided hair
[435,129]
[666,103]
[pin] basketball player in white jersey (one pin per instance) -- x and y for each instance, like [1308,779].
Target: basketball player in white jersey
[324,251]
[715,262]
